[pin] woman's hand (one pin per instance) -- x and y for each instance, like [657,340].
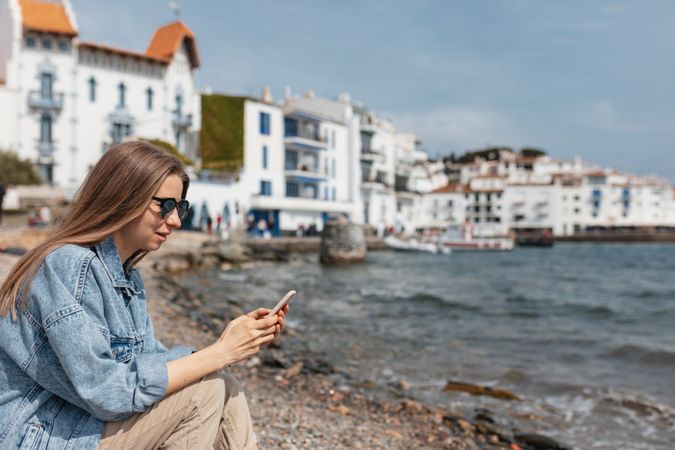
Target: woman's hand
[244,336]
[262,312]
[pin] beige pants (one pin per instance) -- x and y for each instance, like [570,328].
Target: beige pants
[211,413]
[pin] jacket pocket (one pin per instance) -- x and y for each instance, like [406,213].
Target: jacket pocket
[33,437]
[122,349]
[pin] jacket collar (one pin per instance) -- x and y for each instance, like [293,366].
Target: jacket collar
[110,257]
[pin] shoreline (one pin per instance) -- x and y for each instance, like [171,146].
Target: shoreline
[297,398]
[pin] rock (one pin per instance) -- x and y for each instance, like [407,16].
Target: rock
[474,389]
[342,244]
[492,429]
[294,369]
[341,409]
[400,385]
[232,252]
[538,441]
[412,405]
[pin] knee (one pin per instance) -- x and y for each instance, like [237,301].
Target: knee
[214,391]
[232,386]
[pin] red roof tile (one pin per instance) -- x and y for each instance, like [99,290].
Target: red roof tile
[168,39]
[49,17]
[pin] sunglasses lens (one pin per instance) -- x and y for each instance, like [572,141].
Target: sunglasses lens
[183,206]
[167,206]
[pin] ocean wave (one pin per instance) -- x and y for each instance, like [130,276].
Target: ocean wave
[596,311]
[424,297]
[643,354]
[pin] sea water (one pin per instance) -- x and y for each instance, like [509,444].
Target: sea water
[584,333]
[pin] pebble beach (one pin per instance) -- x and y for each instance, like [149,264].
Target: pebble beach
[298,398]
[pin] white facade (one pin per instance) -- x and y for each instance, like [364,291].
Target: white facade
[297,172]
[64,101]
[566,197]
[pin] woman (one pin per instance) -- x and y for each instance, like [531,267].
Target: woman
[79,364]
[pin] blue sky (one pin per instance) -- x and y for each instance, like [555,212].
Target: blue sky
[589,78]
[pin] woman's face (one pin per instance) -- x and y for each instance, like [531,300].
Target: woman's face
[148,231]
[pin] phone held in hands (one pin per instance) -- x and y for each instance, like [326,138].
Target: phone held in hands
[287,298]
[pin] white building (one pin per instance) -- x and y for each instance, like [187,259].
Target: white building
[296,169]
[565,197]
[64,101]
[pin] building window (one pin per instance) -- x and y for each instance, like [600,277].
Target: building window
[46,128]
[291,162]
[30,41]
[332,139]
[264,123]
[292,189]
[265,187]
[92,89]
[333,194]
[333,167]
[149,94]
[179,105]
[264,157]
[47,43]
[46,85]
[63,45]
[122,90]
[325,193]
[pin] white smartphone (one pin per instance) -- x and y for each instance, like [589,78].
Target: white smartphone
[287,298]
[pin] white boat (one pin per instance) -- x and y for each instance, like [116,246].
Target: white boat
[412,245]
[458,239]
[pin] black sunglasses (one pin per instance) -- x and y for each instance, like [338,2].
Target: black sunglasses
[166,205]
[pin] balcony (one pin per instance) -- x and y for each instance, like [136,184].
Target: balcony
[182,122]
[370,154]
[45,148]
[305,142]
[304,172]
[50,103]
[303,133]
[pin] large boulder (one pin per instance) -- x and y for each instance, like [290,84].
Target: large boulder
[342,243]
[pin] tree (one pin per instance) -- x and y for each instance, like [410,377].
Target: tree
[16,171]
[170,149]
[532,152]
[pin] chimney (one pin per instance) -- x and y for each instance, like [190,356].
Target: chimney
[266,95]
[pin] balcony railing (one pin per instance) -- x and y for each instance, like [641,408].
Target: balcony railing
[38,101]
[45,148]
[182,121]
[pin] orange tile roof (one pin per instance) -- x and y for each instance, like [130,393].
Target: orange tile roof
[167,40]
[121,52]
[450,187]
[46,16]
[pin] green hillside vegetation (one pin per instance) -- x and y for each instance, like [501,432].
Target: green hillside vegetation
[221,141]
[16,171]
[492,154]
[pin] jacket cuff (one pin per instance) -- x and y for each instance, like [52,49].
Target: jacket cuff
[153,379]
[178,352]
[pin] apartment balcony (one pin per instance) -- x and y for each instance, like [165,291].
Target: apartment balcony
[182,122]
[37,100]
[371,154]
[304,173]
[305,141]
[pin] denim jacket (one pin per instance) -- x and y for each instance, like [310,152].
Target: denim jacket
[81,352]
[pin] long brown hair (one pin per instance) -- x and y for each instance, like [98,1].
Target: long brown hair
[117,190]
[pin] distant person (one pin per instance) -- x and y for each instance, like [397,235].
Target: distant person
[2,198]
[80,365]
